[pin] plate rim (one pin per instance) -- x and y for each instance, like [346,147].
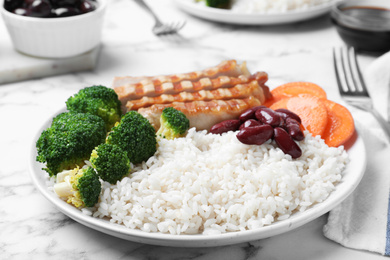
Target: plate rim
[227,16]
[294,221]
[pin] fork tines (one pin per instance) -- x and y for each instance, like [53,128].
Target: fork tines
[168,28]
[355,92]
[349,77]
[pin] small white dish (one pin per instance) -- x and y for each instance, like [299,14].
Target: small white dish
[55,37]
[352,176]
[228,16]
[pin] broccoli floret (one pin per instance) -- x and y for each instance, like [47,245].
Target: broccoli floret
[69,141]
[97,100]
[80,187]
[173,124]
[110,162]
[135,135]
[218,3]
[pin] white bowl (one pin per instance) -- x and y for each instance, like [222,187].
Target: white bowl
[55,37]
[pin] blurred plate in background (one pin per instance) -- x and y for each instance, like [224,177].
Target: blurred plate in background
[228,16]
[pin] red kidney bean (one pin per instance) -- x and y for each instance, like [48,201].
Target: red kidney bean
[291,121]
[249,114]
[268,116]
[250,123]
[293,128]
[255,135]
[282,123]
[285,113]
[286,143]
[225,126]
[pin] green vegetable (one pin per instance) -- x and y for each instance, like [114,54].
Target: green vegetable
[69,141]
[135,135]
[97,100]
[218,3]
[110,162]
[81,187]
[174,124]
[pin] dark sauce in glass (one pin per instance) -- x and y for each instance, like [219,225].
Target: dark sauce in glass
[364,27]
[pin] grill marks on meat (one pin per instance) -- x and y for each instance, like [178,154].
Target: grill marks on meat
[206,97]
[129,88]
[202,114]
[228,68]
[137,91]
[206,90]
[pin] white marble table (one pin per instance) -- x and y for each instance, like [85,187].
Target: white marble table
[32,228]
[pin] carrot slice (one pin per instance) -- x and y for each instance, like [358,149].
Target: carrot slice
[269,102]
[293,89]
[310,109]
[340,128]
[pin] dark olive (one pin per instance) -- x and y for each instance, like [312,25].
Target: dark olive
[50,8]
[28,2]
[21,11]
[87,6]
[11,5]
[66,11]
[62,3]
[40,8]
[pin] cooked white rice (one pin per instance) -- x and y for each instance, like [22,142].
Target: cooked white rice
[273,6]
[212,184]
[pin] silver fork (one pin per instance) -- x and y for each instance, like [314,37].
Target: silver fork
[351,84]
[161,28]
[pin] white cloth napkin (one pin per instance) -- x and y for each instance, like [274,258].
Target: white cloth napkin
[362,221]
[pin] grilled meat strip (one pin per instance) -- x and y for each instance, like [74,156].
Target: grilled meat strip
[202,114]
[225,68]
[238,91]
[206,97]
[226,74]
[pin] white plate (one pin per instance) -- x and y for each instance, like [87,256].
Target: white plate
[228,16]
[352,176]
